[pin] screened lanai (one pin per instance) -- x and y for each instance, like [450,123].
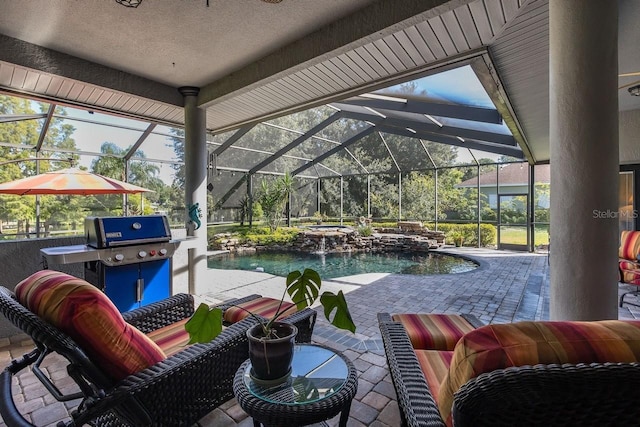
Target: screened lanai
[564,91]
[412,150]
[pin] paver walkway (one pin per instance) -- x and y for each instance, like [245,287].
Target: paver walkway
[508,286]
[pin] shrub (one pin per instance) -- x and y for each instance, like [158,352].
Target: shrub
[386,224]
[260,236]
[469,233]
[365,230]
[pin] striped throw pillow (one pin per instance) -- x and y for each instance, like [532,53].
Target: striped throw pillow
[429,331]
[87,315]
[501,346]
[263,306]
[629,245]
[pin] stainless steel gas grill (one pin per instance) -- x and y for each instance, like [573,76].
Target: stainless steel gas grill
[129,258]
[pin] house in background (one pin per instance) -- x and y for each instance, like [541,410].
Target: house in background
[509,181]
[505,191]
[513,180]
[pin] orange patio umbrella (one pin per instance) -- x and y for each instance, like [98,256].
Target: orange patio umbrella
[69,181]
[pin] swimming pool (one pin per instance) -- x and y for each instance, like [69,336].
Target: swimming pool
[344,264]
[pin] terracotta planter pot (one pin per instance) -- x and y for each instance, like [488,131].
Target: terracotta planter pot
[271,358]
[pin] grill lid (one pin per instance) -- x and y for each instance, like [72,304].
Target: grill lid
[108,232]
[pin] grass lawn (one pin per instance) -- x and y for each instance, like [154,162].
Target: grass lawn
[518,236]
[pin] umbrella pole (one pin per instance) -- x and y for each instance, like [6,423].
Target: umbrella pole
[37,199]
[37,216]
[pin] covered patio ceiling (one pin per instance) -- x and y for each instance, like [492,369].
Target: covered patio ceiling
[255,61]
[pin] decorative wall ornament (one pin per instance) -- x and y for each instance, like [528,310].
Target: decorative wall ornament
[195,213]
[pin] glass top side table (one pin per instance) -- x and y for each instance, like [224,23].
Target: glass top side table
[322,384]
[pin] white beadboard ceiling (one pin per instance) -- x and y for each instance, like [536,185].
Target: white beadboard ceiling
[254,60]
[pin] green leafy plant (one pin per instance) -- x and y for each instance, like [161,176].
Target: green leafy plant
[273,197]
[457,237]
[365,230]
[318,217]
[304,290]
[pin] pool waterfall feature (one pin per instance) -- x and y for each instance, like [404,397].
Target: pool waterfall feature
[325,239]
[337,251]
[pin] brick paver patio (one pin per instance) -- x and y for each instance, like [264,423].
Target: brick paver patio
[507,287]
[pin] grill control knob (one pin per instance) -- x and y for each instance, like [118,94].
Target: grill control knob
[142,254]
[162,251]
[119,257]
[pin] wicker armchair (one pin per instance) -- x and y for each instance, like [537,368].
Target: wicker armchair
[542,395]
[176,391]
[629,264]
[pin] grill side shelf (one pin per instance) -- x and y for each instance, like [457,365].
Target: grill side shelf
[69,254]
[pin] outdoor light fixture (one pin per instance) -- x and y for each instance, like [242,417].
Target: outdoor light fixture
[129,3]
[635,90]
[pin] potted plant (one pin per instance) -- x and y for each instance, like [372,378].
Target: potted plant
[271,342]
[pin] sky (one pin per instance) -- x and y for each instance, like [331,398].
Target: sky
[459,85]
[90,136]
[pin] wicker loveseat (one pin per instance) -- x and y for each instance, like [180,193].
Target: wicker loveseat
[134,368]
[519,374]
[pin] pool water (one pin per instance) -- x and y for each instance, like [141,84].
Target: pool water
[344,264]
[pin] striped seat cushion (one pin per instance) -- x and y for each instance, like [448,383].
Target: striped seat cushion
[435,366]
[172,338]
[530,343]
[630,265]
[263,306]
[433,331]
[631,277]
[83,312]
[629,245]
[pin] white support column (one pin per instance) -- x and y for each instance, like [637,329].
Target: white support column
[583,73]
[435,197]
[195,159]
[250,198]
[341,199]
[479,208]
[318,188]
[368,196]
[399,196]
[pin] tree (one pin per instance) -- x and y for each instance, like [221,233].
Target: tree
[418,196]
[273,197]
[58,141]
[178,149]
[141,173]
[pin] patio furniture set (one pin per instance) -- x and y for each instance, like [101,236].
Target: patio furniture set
[447,371]
[629,263]
[138,368]
[134,368]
